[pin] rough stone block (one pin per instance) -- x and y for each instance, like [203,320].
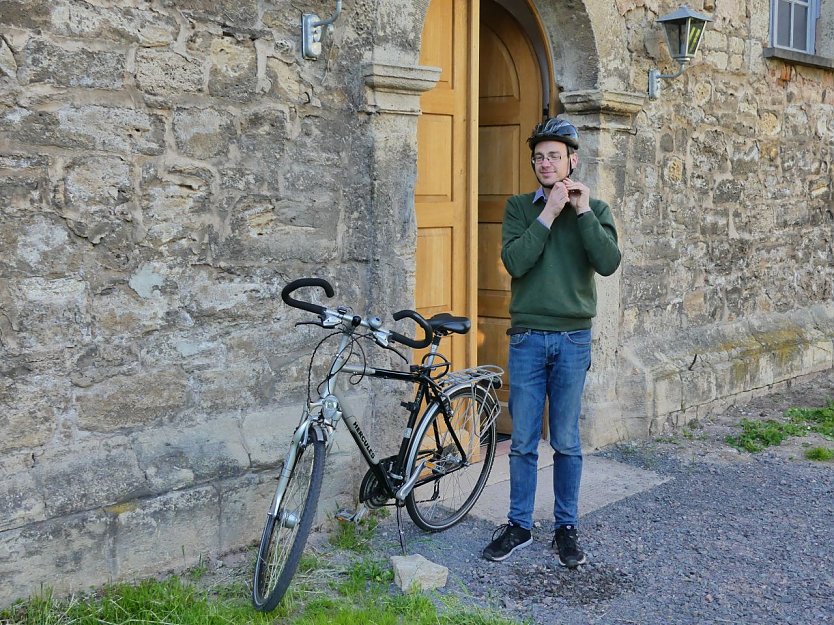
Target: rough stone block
[128,401]
[267,432]
[87,127]
[263,133]
[44,62]
[41,242]
[243,505]
[51,314]
[119,313]
[67,554]
[416,573]
[163,72]
[28,14]
[170,531]
[98,196]
[202,133]
[233,70]
[88,474]
[23,191]
[172,208]
[177,457]
[241,13]
[20,501]
[668,393]
[114,23]
[32,408]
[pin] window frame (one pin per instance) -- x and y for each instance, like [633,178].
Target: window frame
[810,26]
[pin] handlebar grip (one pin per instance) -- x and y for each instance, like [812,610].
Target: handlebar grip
[300,283]
[420,320]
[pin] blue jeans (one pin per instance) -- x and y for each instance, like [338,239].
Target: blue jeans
[552,365]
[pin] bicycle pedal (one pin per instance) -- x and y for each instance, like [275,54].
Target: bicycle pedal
[346,516]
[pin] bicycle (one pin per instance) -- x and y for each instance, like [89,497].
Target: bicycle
[444,458]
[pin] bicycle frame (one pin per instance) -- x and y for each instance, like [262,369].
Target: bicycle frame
[335,408]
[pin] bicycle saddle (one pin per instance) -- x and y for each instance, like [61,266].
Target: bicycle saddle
[444,323]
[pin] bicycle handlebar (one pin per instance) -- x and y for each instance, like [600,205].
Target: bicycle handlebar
[300,283]
[420,320]
[286,295]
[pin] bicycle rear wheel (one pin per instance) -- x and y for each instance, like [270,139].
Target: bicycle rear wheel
[285,534]
[458,450]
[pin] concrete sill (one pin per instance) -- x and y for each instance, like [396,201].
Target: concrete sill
[791,56]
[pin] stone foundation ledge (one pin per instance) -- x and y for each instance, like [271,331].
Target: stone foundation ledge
[668,381]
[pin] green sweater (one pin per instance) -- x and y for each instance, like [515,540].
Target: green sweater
[553,270]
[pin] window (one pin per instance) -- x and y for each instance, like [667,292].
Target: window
[793,24]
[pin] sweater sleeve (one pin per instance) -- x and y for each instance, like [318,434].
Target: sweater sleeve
[599,237]
[522,243]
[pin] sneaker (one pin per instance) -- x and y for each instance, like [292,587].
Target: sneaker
[506,539]
[564,541]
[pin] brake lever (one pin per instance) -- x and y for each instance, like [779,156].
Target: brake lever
[309,323]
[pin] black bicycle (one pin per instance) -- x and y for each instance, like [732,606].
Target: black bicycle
[443,461]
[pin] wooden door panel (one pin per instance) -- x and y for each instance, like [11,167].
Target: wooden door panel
[497,141]
[444,193]
[510,101]
[435,138]
[434,254]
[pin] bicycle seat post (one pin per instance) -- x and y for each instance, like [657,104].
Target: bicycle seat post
[435,345]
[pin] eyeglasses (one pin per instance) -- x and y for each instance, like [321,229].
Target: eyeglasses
[553,157]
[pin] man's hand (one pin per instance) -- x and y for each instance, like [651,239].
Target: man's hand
[579,195]
[556,202]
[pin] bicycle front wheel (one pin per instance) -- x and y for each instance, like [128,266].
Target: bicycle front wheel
[454,454]
[285,533]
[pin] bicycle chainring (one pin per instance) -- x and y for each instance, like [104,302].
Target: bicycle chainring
[371,491]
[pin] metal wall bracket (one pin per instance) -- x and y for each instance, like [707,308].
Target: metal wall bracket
[311,32]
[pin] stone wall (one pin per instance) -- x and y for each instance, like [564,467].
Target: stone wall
[165,168]
[727,221]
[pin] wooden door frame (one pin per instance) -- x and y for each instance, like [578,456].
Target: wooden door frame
[472,174]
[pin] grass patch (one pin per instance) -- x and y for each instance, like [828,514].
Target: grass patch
[355,537]
[820,454]
[319,595]
[757,435]
[151,602]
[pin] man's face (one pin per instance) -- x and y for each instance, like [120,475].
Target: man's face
[551,162]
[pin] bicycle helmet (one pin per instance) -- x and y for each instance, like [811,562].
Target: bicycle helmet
[554,129]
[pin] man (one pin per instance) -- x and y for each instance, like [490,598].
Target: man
[554,240]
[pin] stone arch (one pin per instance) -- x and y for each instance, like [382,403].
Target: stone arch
[588,44]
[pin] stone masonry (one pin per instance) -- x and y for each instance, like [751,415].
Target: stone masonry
[167,166]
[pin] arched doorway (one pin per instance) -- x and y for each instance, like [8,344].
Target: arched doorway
[471,157]
[510,95]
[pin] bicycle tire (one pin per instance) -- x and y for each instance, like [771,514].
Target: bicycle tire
[281,546]
[440,499]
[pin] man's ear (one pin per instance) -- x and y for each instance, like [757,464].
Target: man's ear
[574,160]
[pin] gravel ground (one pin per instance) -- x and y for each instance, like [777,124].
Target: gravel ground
[731,538]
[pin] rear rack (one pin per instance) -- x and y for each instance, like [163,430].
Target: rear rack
[488,377]
[485,375]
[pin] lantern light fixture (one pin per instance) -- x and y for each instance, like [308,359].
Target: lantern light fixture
[683,29]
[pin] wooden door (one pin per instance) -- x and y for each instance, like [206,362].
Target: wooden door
[446,160]
[510,104]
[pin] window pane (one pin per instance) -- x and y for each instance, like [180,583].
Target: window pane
[800,27]
[783,24]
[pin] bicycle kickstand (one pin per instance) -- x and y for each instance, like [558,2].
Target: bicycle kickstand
[400,527]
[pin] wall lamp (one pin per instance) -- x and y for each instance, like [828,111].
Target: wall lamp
[683,29]
[311,31]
